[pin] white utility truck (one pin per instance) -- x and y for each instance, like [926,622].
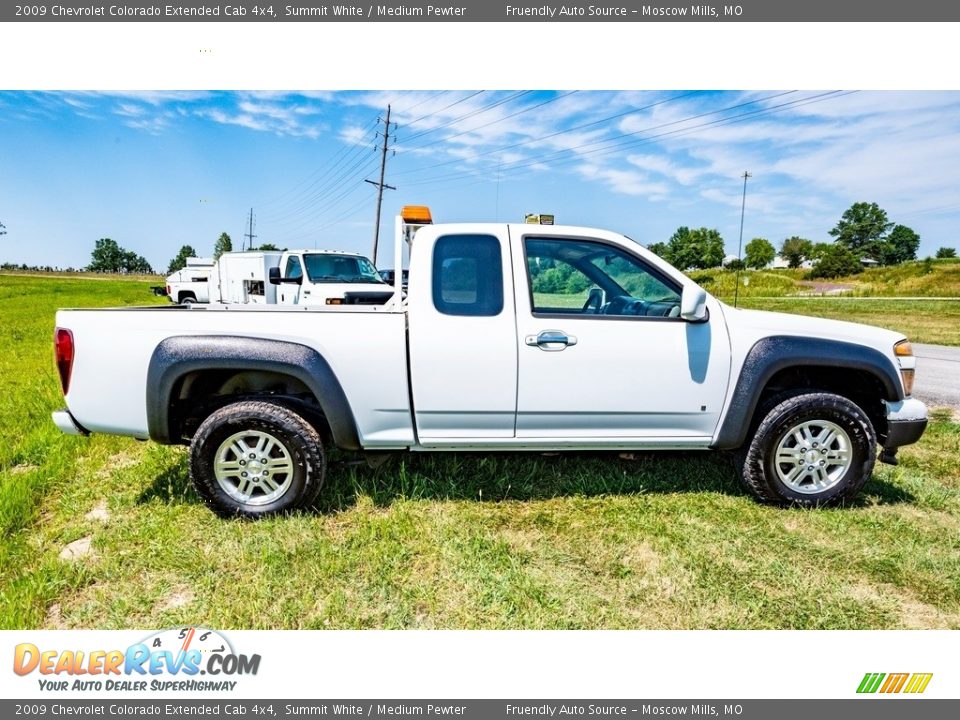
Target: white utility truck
[511,337]
[191,284]
[289,277]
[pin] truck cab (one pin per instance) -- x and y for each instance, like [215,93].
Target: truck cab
[328,277]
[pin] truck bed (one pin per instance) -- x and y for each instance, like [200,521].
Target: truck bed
[366,348]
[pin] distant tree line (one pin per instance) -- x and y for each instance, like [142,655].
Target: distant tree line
[864,231]
[23,267]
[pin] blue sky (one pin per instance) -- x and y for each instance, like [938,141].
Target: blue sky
[156,170]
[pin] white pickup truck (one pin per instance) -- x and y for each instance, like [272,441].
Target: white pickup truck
[511,337]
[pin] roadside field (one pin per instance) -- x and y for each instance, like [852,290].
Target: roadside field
[918,278]
[107,533]
[923,321]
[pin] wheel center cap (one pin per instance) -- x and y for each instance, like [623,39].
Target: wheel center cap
[256,466]
[812,455]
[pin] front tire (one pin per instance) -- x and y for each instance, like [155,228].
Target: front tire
[810,450]
[255,458]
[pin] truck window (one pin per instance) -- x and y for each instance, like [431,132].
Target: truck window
[293,269]
[468,275]
[582,277]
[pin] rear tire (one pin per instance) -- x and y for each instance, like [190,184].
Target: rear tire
[810,450]
[254,458]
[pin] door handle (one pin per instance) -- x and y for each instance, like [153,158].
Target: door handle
[551,340]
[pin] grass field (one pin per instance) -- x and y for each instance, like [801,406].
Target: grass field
[923,321]
[106,532]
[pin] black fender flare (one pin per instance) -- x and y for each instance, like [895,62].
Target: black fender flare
[772,354]
[176,356]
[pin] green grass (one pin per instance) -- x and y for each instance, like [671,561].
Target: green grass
[446,541]
[923,321]
[938,278]
[759,283]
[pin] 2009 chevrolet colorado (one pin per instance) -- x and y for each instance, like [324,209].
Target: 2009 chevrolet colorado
[511,337]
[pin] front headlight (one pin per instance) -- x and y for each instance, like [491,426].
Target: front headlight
[908,364]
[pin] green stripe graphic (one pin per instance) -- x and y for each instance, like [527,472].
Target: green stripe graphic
[871,682]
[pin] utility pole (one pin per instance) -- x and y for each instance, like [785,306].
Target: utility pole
[743,207]
[380,186]
[249,233]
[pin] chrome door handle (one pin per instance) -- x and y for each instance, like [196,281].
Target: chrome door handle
[551,340]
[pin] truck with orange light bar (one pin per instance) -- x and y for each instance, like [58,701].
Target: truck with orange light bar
[488,350]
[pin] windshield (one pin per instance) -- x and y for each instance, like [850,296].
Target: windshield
[323,268]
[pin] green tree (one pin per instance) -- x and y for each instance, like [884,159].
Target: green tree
[108,257]
[759,253]
[836,261]
[133,263]
[709,244]
[267,246]
[899,246]
[180,261]
[795,250]
[736,264]
[223,244]
[817,249]
[679,250]
[862,229]
[659,249]
[946,253]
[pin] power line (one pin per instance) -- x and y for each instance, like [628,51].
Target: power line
[328,187]
[555,159]
[446,107]
[432,96]
[527,109]
[566,131]
[330,201]
[324,169]
[606,142]
[477,111]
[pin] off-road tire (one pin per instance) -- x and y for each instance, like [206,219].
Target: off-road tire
[756,460]
[300,439]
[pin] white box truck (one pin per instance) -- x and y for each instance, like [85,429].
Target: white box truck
[241,277]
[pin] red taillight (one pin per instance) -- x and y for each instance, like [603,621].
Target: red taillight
[168,290]
[63,351]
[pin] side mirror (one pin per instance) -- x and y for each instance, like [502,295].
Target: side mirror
[693,303]
[273,274]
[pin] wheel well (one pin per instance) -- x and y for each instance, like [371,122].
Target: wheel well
[186,294]
[199,393]
[858,386]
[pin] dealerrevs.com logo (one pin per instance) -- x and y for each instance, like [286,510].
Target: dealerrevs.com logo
[180,659]
[910,683]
